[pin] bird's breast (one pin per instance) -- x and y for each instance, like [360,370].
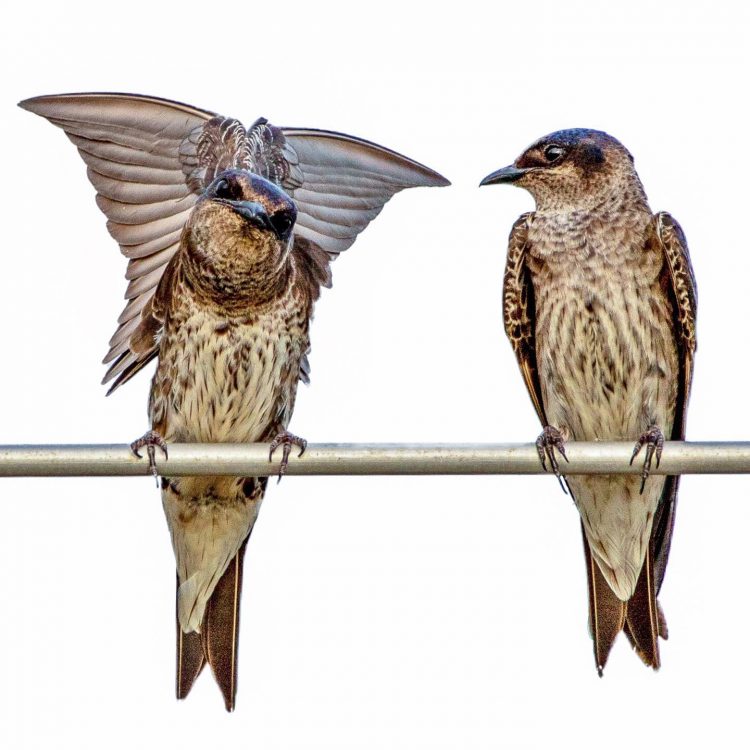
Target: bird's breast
[221,380]
[605,345]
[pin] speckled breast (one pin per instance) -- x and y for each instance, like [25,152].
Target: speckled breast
[607,359]
[226,380]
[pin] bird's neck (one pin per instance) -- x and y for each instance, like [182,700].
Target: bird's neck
[236,285]
[623,192]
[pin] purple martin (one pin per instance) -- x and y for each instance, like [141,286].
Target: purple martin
[229,233]
[599,304]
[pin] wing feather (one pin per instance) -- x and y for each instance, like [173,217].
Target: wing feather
[353,201]
[149,231]
[347,181]
[129,172]
[334,224]
[679,282]
[151,143]
[143,284]
[518,311]
[131,146]
[332,245]
[122,334]
[133,308]
[156,261]
[149,159]
[127,213]
[314,271]
[684,293]
[137,193]
[154,246]
[122,154]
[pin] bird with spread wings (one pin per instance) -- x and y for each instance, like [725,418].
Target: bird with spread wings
[229,234]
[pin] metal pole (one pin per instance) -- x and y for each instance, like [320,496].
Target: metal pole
[367,459]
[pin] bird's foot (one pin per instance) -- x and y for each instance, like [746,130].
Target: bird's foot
[546,443]
[287,440]
[150,441]
[653,439]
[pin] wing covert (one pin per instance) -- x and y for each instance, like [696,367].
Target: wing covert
[683,292]
[518,311]
[679,283]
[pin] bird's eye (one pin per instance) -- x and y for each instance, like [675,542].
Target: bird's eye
[553,153]
[222,190]
[282,222]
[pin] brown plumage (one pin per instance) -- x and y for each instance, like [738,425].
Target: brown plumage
[599,304]
[230,235]
[150,159]
[232,311]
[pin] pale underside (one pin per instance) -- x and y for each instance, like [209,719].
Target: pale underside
[237,386]
[609,370]
[207,532]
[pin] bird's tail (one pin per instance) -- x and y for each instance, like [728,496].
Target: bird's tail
[216,643]
[644,620]
[640,617]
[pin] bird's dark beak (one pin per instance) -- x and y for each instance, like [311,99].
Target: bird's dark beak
[506,174]
[253,213]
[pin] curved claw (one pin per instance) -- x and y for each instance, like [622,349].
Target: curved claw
[546,443]
[150,441]
[653,439]
[287,440]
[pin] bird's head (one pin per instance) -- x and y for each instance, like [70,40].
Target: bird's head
[240,230]
[571,169]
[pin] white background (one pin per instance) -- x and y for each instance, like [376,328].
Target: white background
[385,612]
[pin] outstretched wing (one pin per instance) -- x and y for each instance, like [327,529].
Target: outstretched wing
[347,181]
[149,160]
[518,311]
[678,282]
